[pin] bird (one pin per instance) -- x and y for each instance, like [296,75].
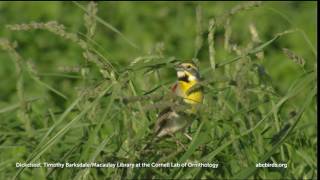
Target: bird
[169,120]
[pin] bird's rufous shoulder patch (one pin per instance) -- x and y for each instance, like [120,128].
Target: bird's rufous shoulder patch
[174,87]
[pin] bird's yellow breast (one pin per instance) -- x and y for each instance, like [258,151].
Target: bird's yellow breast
[194,97]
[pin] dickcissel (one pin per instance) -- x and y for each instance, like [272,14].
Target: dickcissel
[170,121]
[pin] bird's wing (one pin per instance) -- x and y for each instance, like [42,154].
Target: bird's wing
[162,119]
[169,123]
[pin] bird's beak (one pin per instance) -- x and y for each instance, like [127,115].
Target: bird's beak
[178,67]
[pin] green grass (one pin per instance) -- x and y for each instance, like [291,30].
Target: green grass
[84,82]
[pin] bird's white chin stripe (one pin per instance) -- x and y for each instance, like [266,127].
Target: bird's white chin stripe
[180,74]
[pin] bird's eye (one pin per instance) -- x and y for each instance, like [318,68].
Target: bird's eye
[188,67]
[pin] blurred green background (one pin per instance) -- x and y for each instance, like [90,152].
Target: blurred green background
[162,29]
[172,24]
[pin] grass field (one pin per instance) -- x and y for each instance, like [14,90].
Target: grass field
[83,82]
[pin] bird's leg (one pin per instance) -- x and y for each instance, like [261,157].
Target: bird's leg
[178,142]
[188,136]
[186,131]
